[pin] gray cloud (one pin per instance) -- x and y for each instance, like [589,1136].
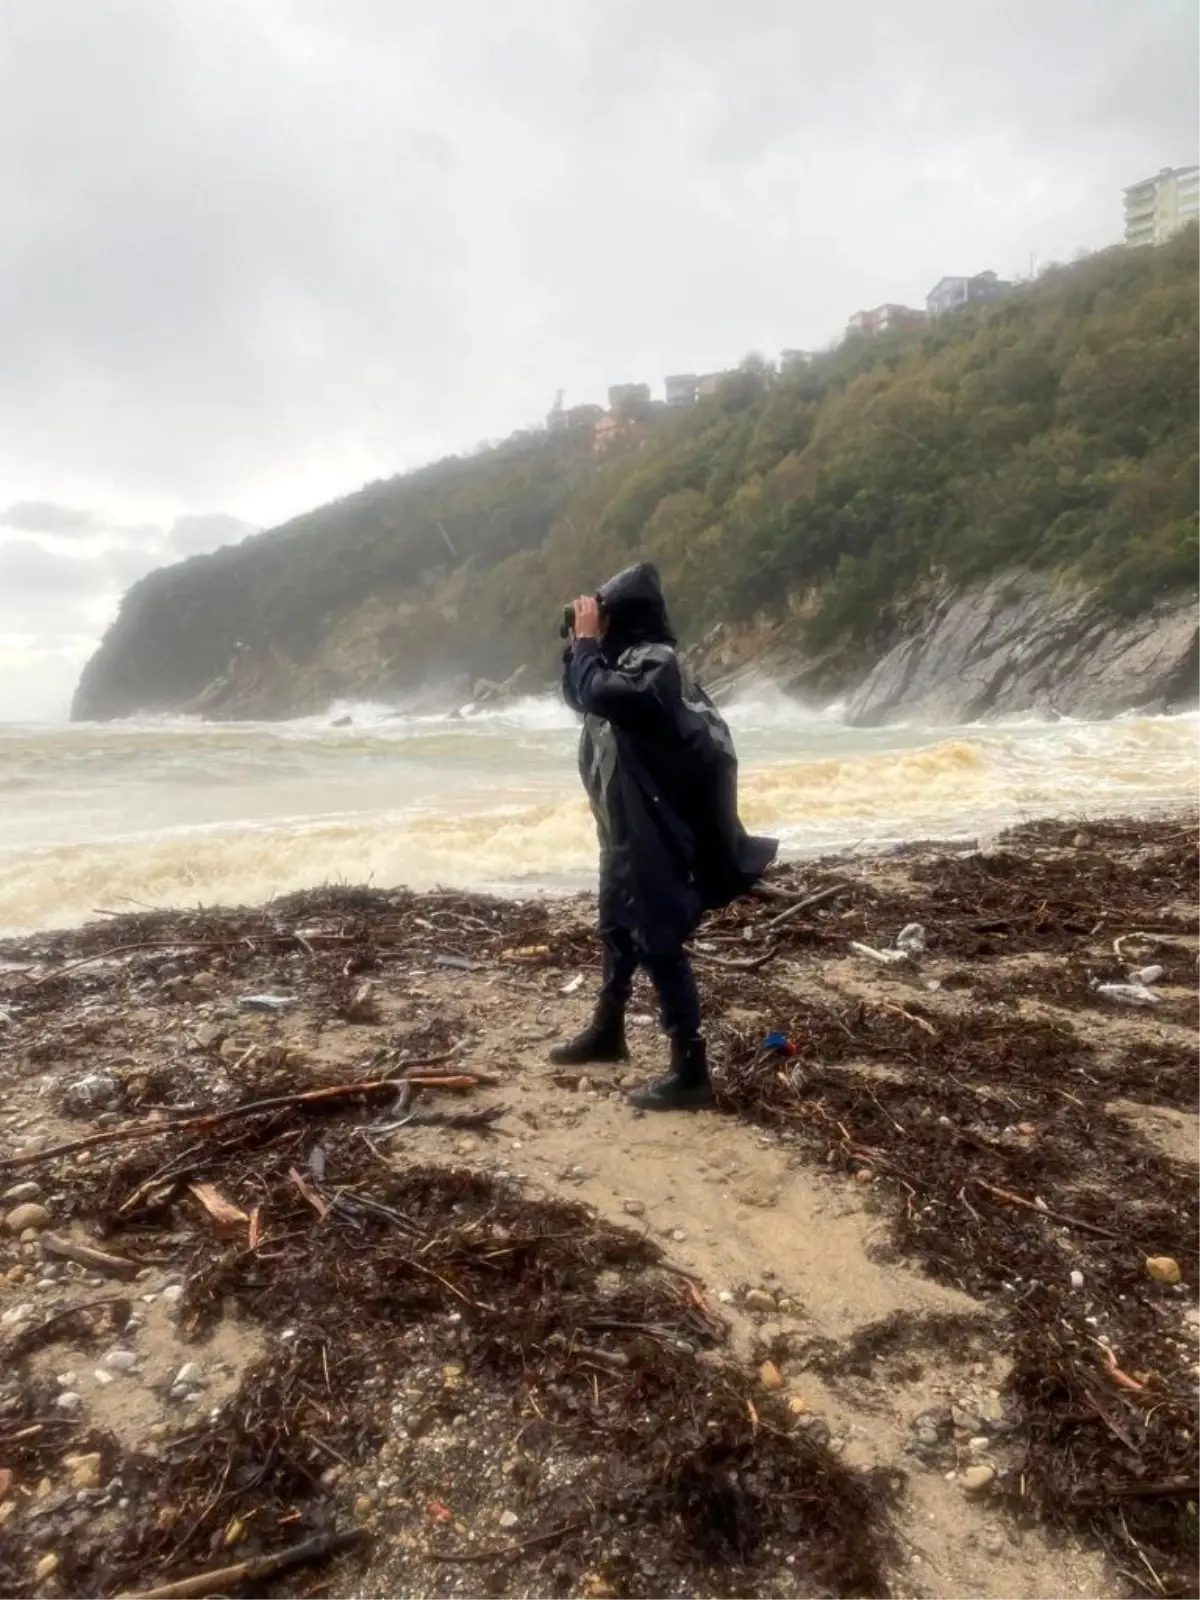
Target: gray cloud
[43,516]
[29,569]
[255,255]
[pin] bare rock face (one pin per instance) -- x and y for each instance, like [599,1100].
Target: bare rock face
[1019,644]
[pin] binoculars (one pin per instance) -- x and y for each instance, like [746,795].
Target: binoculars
[567,626]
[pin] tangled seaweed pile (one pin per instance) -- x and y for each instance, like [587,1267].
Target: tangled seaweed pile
[493,1350]
[1013,1178]
[566,1364]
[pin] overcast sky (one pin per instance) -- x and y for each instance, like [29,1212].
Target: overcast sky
[256,252]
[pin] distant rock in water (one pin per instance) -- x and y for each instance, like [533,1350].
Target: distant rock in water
[487,693]
[1020,644]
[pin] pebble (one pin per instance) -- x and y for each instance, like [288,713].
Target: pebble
[508,1519]
[678,1235]
[22,1191]
[47,1567]
[1163,1269]
[103,1378]
[69,1401]
[190,1375]
[966,1420]
[1077,1279]
[172,1294]
[119,1361]
[770,1376]
[927,1437]
[760,1300]
[634,1208]
[976,1480]
[725,1297]
[15,1314]
[30,1215]
[83,1471]
[979,1445]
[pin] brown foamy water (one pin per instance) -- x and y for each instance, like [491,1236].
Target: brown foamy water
[172,813]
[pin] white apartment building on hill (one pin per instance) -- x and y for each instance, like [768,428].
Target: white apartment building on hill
[1158,207]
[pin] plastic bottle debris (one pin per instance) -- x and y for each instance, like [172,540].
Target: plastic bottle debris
[457,963]
[1127,994]
[885,958]
[911,939]
[266,1002]
[1146,975]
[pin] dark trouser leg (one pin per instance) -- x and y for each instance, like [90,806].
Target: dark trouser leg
[620,963]
[679,1003]
[604,1037]
[687,1086]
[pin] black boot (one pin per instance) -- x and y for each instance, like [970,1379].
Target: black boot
[687,1087]
[602,1040]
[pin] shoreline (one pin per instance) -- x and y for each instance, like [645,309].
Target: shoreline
[884,1326]
[235,819]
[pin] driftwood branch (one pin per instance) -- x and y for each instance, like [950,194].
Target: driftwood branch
[807,904]
[506,1552]
[219,1580]
[95,1260]
[340,1091]
[734,965]
[1044,1211]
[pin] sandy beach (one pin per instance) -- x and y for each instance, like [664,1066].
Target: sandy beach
[306,1245]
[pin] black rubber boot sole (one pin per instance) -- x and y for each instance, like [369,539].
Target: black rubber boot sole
[668,1094]
[581,1055]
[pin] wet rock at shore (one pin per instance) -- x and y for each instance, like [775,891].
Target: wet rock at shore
[1019,644]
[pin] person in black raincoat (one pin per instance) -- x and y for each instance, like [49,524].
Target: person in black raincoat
[658,764]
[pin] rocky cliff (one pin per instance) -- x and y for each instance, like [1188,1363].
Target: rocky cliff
[1017,645]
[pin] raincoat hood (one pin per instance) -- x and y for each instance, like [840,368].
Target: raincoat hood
[633,603]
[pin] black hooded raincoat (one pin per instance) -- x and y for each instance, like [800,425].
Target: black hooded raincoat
[658,763]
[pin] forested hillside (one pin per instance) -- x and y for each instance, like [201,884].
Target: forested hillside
[1055,429]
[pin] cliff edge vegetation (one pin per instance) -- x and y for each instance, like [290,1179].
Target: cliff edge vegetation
[1051,435]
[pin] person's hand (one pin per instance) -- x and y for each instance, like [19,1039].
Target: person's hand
[587,617]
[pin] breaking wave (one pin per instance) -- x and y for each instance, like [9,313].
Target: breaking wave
[178,813]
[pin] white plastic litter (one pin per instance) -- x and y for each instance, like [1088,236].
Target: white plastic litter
[885,958]
[1128,994]
[1145,975]
[266,1002]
